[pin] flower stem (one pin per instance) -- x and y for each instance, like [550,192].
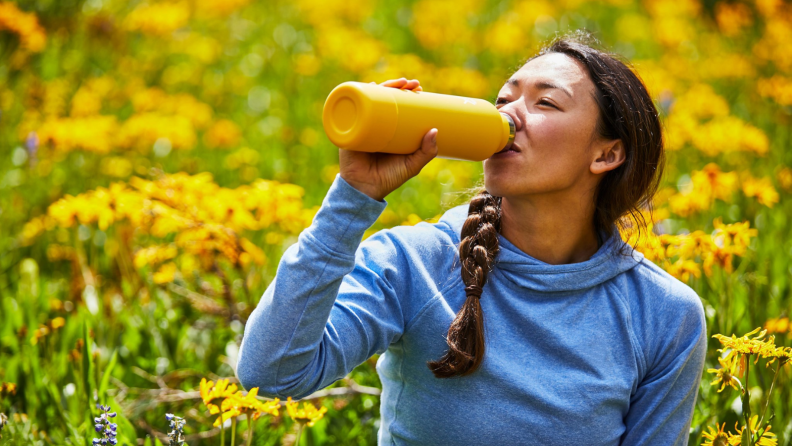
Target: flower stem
[222,431]
[299,433]
[250,431]
[233,431]
[769,393]
[746,400]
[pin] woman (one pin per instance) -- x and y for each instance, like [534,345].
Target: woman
[546,329]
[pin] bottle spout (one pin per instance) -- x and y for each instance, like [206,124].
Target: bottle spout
[508,121]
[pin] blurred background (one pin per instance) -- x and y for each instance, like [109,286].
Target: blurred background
[157,157]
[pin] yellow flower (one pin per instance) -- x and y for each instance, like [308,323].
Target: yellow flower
[156,100]
[784,354]
[746,345]
[237,404]
[7,389]
[309,414]
[725,374]
[232,412]
[777,325]
[165,273]
[762,189]
[682,269]
[767,439]
[197,217]
[154,255]
[306,64]
[689,246]
[142,130]
[732,17]
[158,19]
[31,35]
[90,133]
[333,43]
[784,175]
[222,134]
[211,393]
[704,187]
[57,323]
[716,438]
[733,238]
[213,8]
[777,87]
[720,257]
[652,246]
[437,24]
[729,134]
[722,184]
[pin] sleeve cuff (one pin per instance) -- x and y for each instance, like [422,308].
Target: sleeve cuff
[344,216]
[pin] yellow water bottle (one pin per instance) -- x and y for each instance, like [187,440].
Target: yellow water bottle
[373,118]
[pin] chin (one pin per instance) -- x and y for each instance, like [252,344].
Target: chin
[498,184]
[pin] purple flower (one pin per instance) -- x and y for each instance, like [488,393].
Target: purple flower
[105,427]
[176,435]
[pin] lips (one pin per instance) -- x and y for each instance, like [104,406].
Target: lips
[511,148]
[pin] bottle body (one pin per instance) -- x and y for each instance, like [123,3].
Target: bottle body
[372,118]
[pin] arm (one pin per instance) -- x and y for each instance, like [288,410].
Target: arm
[661,409]
[300,338]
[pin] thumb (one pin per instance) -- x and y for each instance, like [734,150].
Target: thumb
[421,157]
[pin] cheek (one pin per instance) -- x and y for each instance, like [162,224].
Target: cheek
[554,158]
[555,148]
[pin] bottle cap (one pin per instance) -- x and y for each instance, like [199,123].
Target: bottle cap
[360,116]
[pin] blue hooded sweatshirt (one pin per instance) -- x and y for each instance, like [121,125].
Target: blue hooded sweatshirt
[609,351]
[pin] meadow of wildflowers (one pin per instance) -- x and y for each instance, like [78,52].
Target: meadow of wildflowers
[158,156]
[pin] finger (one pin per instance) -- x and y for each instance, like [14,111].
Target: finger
[428,150]
[410,85]
[397,83]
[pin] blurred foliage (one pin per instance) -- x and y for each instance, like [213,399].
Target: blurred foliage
[158,157]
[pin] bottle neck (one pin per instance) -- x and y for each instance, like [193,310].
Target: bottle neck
[512,130]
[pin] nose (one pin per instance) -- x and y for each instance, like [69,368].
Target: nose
[518,124]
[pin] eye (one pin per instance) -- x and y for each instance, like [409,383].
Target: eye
[501,101]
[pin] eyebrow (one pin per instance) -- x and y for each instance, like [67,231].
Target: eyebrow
[541,85]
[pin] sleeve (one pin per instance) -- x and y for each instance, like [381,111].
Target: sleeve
[661,409]
[330,306]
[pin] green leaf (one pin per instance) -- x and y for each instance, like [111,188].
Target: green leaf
[746,436]
[106,376]
[87,363]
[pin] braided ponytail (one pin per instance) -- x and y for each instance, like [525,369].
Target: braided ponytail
[477,253]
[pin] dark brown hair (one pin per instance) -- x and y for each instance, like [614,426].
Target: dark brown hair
[626,112]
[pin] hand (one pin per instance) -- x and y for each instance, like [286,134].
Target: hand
[379,174]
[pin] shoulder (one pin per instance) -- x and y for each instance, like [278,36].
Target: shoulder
[667,315]
[424,240]
[661,292]
[417,261]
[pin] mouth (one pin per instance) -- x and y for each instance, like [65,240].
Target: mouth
[511,148]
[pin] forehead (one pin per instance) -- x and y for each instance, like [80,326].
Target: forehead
[559,68]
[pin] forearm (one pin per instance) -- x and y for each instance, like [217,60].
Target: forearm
[281,351]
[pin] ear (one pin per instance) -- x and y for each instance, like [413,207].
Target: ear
[609,155]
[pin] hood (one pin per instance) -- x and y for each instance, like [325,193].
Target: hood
[528,272]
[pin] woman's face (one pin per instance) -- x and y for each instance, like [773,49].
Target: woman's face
[551,100]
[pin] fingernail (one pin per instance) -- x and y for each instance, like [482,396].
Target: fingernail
[434,137]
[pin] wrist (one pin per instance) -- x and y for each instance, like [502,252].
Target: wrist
[368,189]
